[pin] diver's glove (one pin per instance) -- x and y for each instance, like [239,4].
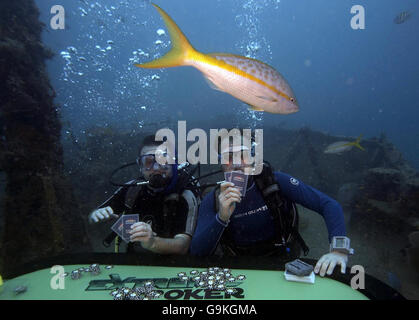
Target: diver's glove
[102,214]
[329,261]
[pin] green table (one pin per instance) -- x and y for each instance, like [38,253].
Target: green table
[259,284]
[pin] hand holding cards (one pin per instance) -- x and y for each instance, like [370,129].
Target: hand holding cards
[239,179]
[122,227]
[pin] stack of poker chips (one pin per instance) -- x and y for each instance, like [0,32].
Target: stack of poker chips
[76,274]
[214,278]
[145,292]
[94,270]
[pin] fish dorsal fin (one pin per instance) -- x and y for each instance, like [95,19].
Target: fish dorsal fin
[230,55]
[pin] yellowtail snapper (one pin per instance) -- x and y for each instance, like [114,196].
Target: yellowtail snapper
[342,146]
[249,80]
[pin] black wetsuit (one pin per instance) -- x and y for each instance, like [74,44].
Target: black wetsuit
[168,214]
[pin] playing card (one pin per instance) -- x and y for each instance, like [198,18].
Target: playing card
[128,221]
[227,176]
[240,181]
[118,227]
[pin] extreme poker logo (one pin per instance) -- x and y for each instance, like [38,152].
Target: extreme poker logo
[171,288]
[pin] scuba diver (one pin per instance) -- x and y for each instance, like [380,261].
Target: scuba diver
[163,197]
[265,221]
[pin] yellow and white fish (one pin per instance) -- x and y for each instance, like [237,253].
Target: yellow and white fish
[342,146]
[402,17]
[249,80]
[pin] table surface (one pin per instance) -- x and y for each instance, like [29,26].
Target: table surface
[258,285]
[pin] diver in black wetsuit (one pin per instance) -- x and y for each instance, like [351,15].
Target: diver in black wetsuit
[167,210]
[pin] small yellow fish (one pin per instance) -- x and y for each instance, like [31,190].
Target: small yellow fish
[402,17]
[249,80]
[342,146]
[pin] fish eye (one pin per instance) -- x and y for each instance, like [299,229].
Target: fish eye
[292,99]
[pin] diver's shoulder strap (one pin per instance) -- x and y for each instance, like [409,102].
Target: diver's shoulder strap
[193,204]
[132,194]
[285,217]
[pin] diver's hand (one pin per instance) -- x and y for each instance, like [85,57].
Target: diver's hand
[227,199]
[329,261]
[142,232]
[102,214]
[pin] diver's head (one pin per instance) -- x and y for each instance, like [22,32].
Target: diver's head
[236,148]
[153,162]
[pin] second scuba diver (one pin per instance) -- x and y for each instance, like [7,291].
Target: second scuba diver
[167,208]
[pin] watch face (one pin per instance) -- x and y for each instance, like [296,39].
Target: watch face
[340,243]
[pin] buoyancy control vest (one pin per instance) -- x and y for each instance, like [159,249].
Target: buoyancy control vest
[285,217]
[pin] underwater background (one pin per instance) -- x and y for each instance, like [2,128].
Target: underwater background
[348,82]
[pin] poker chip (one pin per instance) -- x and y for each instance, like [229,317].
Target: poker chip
[126,291]
[212,278]
[220,287]
[75,274]
[140,290]
[20,289]
[114,292]
[134,296]
[108,267]
[119,296]
[202,283]
[149,284]
[94,269]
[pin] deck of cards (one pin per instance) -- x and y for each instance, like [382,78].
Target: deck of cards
[239,179]
[122,227]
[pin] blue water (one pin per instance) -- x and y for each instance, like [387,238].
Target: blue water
[347,81]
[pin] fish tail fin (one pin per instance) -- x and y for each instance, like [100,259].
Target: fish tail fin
[356,143]
[181,48]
